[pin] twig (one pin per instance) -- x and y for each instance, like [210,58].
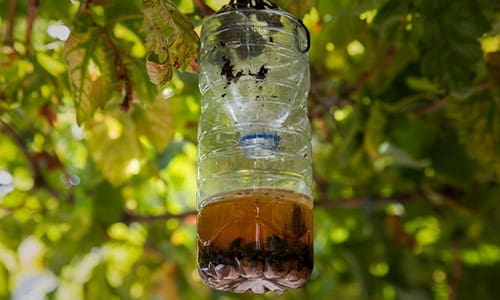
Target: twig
[388,55]
[408,100]
[447,196]
[456,271]
[357,202]
[38,178]
[325,94]
[445,100]
[85,5]
[434,106]
[23,147]
[11,16]
[128,98]
[32,10]
[344,98]
[203,8]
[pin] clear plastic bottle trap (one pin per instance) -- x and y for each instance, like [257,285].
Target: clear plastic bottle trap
[254,151]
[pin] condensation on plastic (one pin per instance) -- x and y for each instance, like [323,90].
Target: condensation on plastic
[254,80]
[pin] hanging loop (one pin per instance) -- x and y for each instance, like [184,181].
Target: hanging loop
[298,43]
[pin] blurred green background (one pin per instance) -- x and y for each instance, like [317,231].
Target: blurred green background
[97,163]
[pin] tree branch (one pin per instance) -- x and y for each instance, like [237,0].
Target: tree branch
[367,75]
[354,203]
[11,17]
[434,106]
[360,202]
[19,141]
[456,271]
[324,94]
[441,103]
[32,10]
[202,8]
[321,92]
[38,178]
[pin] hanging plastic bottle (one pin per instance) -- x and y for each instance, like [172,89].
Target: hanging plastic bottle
[254,151]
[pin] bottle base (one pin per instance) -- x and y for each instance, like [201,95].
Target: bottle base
[255,241]
[248,276]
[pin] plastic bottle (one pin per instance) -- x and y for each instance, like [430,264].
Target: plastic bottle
[254,152]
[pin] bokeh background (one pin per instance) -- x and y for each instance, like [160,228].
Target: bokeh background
[97,162]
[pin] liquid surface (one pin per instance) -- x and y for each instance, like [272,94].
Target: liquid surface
[256,241]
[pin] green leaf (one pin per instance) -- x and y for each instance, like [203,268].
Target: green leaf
[450,159]
[375,130]
[108,204]
[411,135]
[171,42]
[155,122]
[114,138]
[493,65]
[422,84]
[399,157]
[143,88]
[450,35]
[477,121]
[90,62]
[296,8]
[172,150]
[389,16]
[52,65]
[400,59]
[115,148]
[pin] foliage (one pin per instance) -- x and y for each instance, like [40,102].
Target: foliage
[97,159]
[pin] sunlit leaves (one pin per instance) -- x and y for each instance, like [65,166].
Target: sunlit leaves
[115,142]
[484,254]
[91,67]
[125,33]
[426,230]
[171,42]
[449,32]
[478,122]
[156,123]
[53,65]
[115,148]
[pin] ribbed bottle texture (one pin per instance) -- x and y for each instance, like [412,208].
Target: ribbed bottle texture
[254,152]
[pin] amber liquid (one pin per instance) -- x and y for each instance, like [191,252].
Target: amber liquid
[256,241]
